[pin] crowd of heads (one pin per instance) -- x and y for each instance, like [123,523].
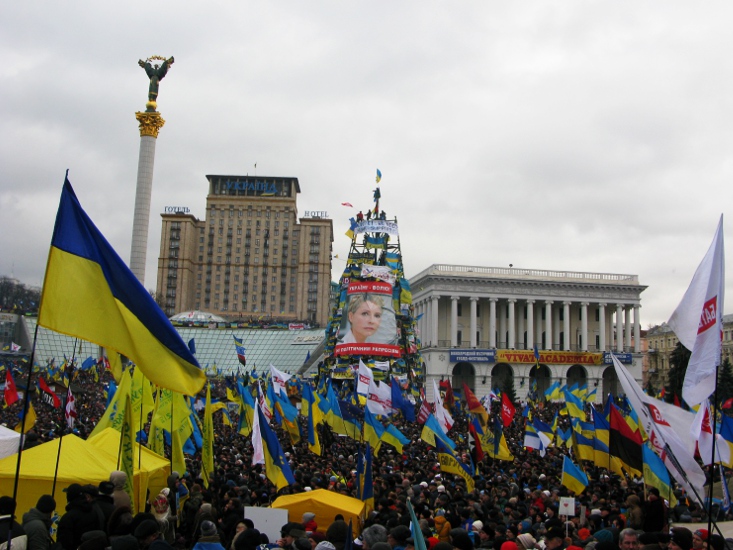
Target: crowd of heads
[514,505]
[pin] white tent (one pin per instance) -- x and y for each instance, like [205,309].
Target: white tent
[9,441]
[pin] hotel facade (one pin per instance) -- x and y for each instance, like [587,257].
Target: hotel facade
[252,257]
[481,325]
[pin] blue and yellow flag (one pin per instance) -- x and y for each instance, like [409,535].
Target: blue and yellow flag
[574,405]
[656,474]
[573,477]
[84,269]
[449,463]
[30,420]
[313,415]
[394,437]
[364,484]
[553,392]
[246,411]
[432,432]
[373,430]
[277,468]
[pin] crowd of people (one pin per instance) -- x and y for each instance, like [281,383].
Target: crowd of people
[515,505]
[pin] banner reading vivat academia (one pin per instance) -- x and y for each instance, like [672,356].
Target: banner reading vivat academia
[552,357]
[368,324]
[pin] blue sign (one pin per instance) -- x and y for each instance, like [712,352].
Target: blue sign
[259,187]
[472,355]
[623,358]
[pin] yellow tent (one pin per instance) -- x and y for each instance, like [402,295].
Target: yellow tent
[78,463]
[151,469]
[325,505]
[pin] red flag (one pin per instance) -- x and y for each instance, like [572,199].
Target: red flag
[728,404]
[11,393]
[70,409]
[507,410]
[474,405]
[677,400]
[43,386]
[425,411]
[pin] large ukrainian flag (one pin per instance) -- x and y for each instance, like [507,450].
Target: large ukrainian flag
[91,294]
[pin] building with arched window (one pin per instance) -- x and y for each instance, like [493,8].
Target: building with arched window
[485,325]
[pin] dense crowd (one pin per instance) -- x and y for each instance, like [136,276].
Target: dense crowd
[513,506]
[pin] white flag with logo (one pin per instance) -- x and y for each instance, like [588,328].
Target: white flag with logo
[380,398]
[702,432]
[258,455]
[698,322]
[441,414]
[365,377]
[278,379]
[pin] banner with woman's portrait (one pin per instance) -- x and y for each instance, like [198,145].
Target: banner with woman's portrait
[368,324]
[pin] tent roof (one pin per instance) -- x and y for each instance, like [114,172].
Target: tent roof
[108,441]
[78,462]
[325,505]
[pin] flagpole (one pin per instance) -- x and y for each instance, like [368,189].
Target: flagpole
[712,428]
[21,441]
[69,371]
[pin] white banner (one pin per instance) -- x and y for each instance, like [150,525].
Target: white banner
[381,272]
[377,226]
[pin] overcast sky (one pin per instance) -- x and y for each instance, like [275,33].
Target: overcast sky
[578,136]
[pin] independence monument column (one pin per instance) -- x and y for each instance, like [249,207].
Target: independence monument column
[151,122]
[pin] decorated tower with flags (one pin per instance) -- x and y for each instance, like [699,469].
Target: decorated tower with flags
[373,317]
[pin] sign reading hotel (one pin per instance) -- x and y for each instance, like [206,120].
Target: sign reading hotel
[368,324]
[552,357]
[176,210]
[315,214]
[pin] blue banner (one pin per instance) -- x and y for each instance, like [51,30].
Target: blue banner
[473,355]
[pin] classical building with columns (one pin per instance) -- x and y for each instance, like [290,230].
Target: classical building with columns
[480,325]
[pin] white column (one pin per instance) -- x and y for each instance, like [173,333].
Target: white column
[426,322]
[434,321]
[548,324]
[530,324]
[584,325]
[512,343]
[637,329]
[502,326]
[474,300]
[453,321]
[602,326]
[141,216]
[538,326]
[492,322]
[619,328]
[566,324]
[520,326]
[556,329]
[627,328]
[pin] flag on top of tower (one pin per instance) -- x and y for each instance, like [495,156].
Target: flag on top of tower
[698,322]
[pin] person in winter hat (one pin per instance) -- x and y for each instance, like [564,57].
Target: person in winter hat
[37,523]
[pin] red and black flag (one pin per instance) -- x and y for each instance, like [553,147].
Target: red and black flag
[625,443]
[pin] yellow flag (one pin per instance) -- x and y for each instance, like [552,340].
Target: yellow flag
[114,416]
[207,449]
[126,451]
[141,397]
